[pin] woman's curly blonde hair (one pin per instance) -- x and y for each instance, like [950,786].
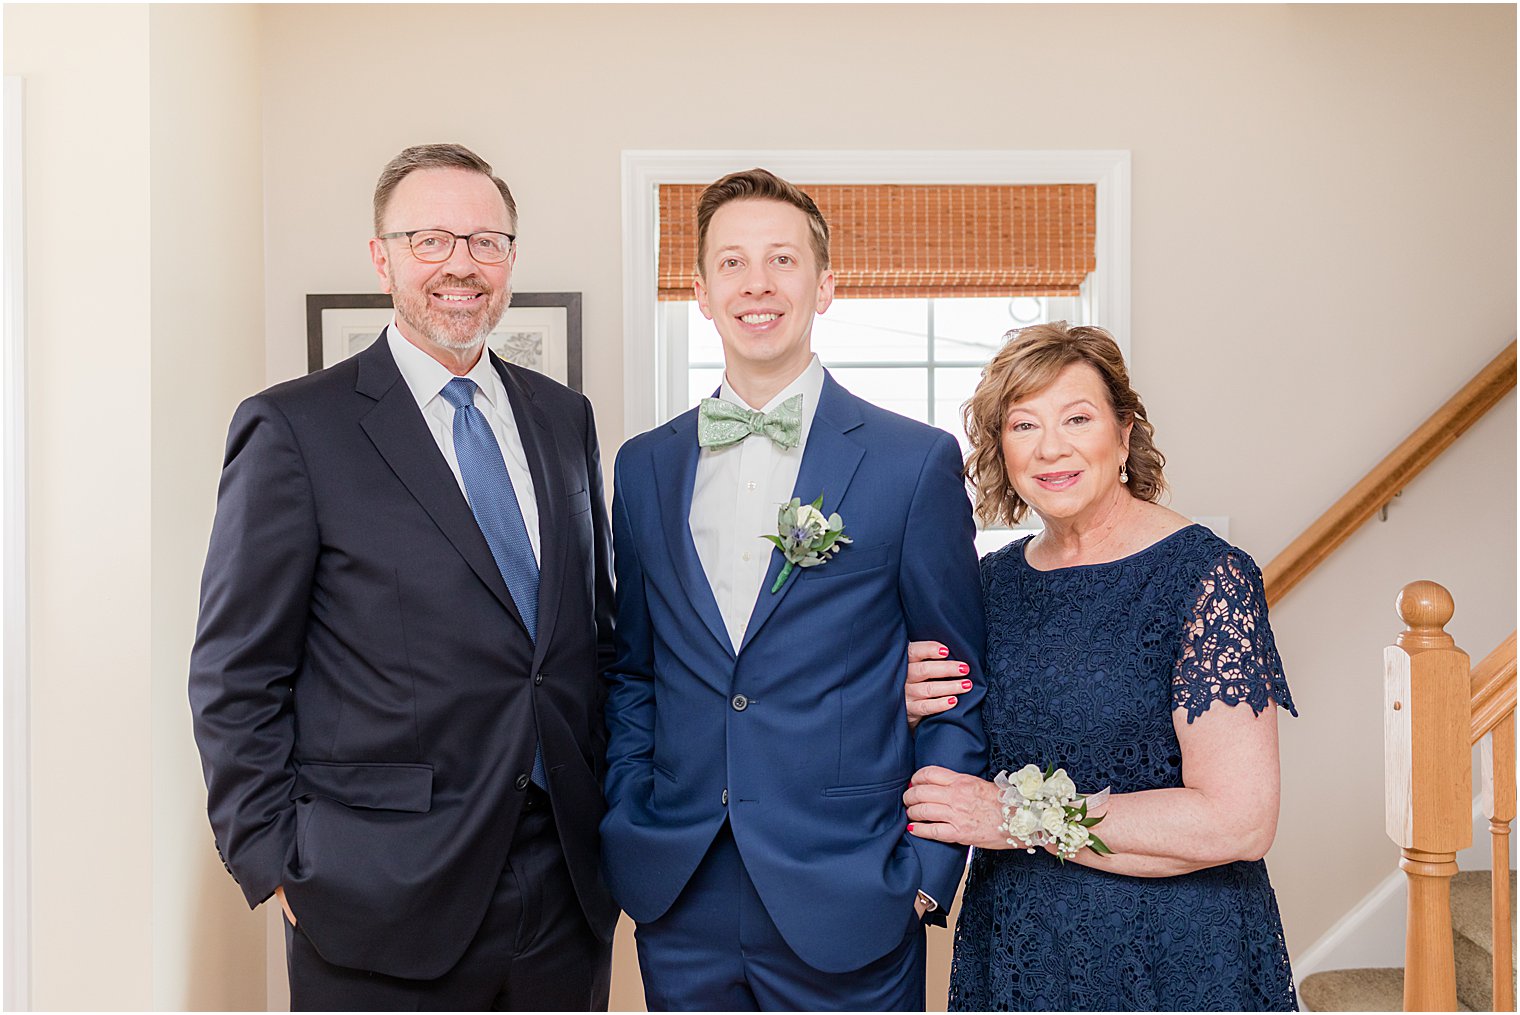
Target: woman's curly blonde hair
[1029,362]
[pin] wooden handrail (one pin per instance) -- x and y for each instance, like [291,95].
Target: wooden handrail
[1493,688]
[1391,475]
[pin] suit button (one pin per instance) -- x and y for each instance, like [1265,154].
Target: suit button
[538,678]
[725,798]
[740,703]
[522,782]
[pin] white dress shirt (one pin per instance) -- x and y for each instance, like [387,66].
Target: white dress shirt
[738,491]
[426,378]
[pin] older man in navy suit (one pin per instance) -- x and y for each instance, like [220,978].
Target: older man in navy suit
[759,747]
[405,610]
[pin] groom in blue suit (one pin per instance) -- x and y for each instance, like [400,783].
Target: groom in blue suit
[758,745]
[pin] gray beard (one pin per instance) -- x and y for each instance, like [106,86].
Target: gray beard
[435,326]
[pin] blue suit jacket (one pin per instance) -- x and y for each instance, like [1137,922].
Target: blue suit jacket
[810,772]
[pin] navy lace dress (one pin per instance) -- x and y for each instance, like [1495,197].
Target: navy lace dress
[1085,666]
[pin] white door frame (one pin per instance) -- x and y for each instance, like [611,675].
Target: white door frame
[15,700]
[645,376]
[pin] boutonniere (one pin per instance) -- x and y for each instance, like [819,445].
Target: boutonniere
[805,537]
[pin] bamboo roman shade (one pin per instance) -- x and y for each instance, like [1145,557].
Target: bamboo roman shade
[889,240]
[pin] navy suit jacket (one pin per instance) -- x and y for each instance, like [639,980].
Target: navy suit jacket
[810,766]
[366,697]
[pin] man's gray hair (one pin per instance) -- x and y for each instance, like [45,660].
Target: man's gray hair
[435,156]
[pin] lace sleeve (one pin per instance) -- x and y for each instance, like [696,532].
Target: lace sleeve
[1227,651]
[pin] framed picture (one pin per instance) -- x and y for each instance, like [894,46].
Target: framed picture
[540,331]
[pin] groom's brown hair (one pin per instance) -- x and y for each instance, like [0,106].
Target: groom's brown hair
[760,185]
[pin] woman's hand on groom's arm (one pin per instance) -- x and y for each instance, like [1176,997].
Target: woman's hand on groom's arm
[948,806]
[934,681]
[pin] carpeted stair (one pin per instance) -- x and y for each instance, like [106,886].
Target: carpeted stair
[1383,989]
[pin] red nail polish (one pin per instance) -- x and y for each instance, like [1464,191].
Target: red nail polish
[910,826]
[965,669]
[950,700]
[965,685]
[943,651]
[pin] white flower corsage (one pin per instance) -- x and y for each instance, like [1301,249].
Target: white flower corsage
[1044,808]
[805,537]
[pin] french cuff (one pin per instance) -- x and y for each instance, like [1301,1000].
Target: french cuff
[933,916]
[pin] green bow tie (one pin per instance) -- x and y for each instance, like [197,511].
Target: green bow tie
[721,423]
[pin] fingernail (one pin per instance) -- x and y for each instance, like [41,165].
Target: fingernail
[910,827]
[965,685]
[950,700]
[943,651]
[965,669]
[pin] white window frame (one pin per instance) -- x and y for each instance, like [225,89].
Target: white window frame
[648,371]
[675,325]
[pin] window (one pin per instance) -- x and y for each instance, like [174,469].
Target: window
[919,357]
[670,352]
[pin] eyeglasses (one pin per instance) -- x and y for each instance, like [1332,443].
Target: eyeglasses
[436,245]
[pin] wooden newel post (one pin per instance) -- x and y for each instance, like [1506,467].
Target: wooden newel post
[1427,757]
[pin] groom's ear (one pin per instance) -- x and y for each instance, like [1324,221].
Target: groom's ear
[700,291]
[825,290]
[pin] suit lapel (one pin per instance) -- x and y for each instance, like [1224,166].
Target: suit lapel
[675,473]
[828,465]
[542,451]
[400,434]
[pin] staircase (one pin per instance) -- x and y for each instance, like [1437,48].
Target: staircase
[1460,926]
[1383,989]
[1437,706]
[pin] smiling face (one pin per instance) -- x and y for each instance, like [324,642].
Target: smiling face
[445,309]
[1063,446]
[761,286]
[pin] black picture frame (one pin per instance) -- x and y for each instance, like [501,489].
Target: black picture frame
[570,302]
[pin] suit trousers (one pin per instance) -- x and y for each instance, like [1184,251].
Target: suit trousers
[717,949]
[534,949]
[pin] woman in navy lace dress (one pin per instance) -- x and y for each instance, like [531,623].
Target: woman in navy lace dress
[1131,648]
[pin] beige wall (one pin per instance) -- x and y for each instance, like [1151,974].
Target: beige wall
[144,328]
[1324,249]
[208,353]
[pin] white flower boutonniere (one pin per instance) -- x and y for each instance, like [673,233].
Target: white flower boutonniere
[805,537]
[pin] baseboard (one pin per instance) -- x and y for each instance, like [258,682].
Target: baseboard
[1371,934]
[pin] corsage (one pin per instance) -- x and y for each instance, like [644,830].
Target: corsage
[1044,808]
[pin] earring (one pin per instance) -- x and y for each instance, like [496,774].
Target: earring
[1124,472]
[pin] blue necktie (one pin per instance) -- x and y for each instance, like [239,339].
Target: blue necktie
[494,502]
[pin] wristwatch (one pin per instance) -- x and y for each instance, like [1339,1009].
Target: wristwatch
[929,904]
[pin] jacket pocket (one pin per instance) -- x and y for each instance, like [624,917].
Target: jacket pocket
[849,560]
[370,785]
[578,502]
[867,788]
